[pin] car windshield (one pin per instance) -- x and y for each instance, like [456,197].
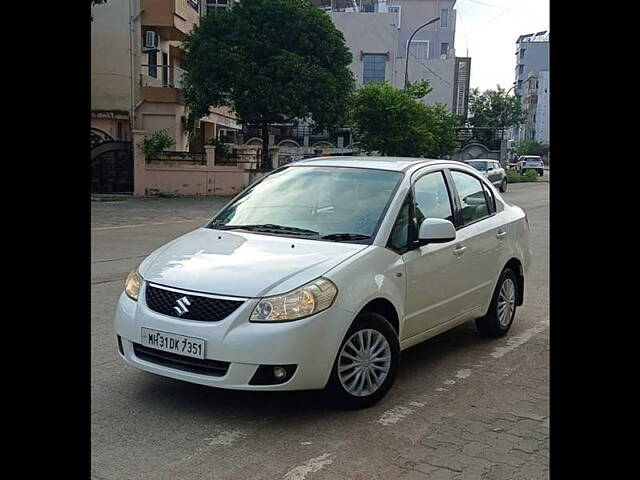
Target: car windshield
[478,165]
[331,203]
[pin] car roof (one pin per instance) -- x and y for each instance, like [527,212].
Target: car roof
[398,164]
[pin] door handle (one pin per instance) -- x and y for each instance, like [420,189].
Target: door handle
[501,234]
[459,250]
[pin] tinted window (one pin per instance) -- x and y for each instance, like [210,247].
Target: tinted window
[472,198]
[478,165]
[399,237]
[490,198]
[432,198]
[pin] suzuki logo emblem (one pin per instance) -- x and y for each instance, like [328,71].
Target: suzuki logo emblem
[181,309]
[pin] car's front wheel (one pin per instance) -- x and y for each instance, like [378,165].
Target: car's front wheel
[502,310]
[503,185]
[366,364]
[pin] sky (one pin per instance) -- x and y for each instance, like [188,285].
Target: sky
[488,30]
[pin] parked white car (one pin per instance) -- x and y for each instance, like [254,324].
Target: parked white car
[531,162]
[322,272]
[492,170]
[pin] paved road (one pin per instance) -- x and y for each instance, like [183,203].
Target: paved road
[462,407]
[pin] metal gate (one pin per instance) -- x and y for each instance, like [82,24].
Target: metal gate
[111,164]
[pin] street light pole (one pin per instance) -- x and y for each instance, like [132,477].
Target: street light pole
[506,99]
[406,62]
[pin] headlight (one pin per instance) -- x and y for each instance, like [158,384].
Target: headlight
[307,300]
[132,285]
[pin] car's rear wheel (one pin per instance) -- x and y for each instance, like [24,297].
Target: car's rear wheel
[499,318]
[366,364]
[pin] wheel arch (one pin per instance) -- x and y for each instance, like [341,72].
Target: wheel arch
[384,307]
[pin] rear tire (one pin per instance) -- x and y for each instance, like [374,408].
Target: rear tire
[353,370]
[498,320]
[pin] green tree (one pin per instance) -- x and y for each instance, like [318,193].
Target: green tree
[531,147]
[493,108]
[271,61]
[395,122]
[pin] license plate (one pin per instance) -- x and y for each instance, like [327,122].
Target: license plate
[173,343]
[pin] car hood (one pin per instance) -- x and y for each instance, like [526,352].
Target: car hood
[242,264]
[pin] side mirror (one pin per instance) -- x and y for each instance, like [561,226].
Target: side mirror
[436,230]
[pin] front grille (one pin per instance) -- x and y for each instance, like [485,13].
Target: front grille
[214,368]
[204,309]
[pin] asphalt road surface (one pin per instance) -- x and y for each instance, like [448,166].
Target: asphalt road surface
[462,407]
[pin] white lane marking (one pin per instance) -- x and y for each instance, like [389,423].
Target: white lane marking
[313,465]
[142,225]
[306,443]
[225,438]
[394,415]
[518,340]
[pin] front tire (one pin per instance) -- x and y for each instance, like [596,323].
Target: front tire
[498,320]
[366,364]
[503,186]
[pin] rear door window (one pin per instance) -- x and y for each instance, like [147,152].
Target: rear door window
[432,198]
[473,201]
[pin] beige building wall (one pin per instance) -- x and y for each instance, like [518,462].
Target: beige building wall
[441,76]
[113,73]
[367,33]
[378,33]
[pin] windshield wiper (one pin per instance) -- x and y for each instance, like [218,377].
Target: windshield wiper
[267,228]
[345,236]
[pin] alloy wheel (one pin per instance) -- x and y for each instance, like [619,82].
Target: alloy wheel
[506,301]
[364,362]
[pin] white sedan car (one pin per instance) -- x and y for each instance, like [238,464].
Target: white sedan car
[318,275]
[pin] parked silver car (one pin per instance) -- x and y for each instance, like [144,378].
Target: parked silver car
[492,170]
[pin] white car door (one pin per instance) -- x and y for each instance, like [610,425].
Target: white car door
[479,240]
[433,271]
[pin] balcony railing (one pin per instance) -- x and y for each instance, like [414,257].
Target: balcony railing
[166,76]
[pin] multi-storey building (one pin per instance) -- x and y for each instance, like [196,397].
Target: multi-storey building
[532,55]
[378,31]
[136,69]
[532,68]
[536,107]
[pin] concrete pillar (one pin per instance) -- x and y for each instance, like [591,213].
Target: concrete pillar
[274,153]
[340,142]
[139,163]
[210,153]
[305,141]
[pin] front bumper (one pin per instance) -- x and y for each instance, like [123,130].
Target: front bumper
[310,343]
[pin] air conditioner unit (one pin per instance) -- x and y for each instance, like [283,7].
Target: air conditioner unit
[151,40]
